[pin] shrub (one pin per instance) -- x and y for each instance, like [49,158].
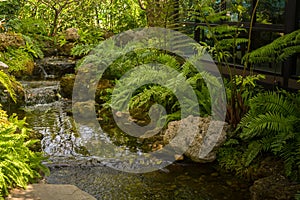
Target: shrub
[18,164]
[271,126]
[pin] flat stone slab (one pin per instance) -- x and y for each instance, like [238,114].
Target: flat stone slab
[49,192]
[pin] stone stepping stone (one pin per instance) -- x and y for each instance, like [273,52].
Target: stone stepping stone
[49,192]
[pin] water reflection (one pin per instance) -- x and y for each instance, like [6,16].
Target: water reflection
[71,163]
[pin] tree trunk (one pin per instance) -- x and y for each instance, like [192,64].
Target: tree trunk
[55,23]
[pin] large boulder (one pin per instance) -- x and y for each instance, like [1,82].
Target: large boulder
[202,141]
[72,34]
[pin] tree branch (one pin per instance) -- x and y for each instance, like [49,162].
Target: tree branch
[141,5]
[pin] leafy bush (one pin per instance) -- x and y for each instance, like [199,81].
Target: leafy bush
[28,26]
[18,164]
[273,125]
[21,58]
[82,49]
[17,59]
[9,9]
[144,97]
[87,41]
[270,126]
[91,36]
[32,47]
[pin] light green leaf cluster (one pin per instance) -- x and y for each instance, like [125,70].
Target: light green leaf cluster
[18,164]
[8,84]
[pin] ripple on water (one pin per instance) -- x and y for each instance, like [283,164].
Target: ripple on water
[179,182]
[72,163]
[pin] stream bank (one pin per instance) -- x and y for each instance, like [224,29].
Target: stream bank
[70,162]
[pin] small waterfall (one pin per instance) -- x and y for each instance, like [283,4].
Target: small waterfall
[53,67]
[71,159]
[41,92]
[45,74]
[59,136]
[46,114]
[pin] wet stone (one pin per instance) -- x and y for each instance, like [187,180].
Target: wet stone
[83,156]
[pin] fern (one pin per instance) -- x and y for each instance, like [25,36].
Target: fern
[7,82]
[146,95]
[272,124]
[277,51]
[18,164]
[17,59]
[268,121]
[252,151]
[82,49]
[32,47]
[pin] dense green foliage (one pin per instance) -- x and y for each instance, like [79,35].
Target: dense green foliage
[271,125]
[277,51]
[18,164]
[223,41]
[262,123]
[9,84]
[144,97]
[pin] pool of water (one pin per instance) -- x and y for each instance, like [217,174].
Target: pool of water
[72,149]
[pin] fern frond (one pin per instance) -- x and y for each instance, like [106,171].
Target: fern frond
[276,102]
[273,122]
[18,164]
[253,150]
[278,50]
[82,49]
[6,81]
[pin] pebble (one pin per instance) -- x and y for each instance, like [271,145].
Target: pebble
[214,174]
[178,157]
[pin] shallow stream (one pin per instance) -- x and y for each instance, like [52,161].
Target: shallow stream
[70,162]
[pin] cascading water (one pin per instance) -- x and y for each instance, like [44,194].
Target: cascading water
[70,162]
[46,115]
[40,92]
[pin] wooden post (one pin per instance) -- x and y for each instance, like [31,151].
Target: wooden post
[197,31]
[290,26]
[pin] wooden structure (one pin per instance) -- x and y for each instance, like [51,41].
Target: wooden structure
[285,74]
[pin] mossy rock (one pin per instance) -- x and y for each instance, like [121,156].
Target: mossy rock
[66,85]
[65,50]
[27,71]
[84,110]
[10,40]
